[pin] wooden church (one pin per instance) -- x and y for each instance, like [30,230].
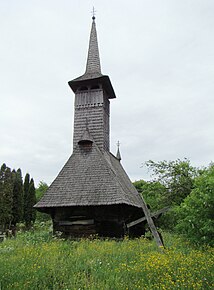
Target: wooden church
[92,194]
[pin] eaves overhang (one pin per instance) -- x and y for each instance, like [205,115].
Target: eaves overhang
[104,80]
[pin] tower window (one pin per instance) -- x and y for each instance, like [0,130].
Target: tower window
[83,89]
[85,145]
[96,87]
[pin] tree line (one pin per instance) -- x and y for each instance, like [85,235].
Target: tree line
[17,199]
[188,191]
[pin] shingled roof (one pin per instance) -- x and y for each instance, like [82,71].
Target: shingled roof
[90,178]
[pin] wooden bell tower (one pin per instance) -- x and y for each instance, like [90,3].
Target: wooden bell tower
[92,93]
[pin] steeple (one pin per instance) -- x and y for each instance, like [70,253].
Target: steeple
[93,68]
[92,194]
[93,75]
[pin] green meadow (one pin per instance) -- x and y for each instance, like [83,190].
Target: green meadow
[35,260]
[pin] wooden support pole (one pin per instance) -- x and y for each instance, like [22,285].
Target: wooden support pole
[152,225]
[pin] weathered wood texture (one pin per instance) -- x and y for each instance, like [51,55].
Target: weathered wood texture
[106,221]
[92,112]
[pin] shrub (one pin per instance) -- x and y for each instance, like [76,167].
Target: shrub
[196,212]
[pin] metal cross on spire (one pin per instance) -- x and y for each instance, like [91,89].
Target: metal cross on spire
[93,12]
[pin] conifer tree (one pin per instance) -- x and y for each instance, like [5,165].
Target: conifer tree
[30,200]
[26,192]
[17,210]
[6,197]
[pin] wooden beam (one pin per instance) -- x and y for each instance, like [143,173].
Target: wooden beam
[154,214]
[77,222]
[151,224]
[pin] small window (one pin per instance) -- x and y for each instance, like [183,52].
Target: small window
[83,89]
[96,87]
[85,145]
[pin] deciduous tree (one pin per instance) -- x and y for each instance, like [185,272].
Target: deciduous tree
[176,176]
[196,213]
[153,193]
[40,191]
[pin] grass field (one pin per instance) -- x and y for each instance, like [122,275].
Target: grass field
[36,261]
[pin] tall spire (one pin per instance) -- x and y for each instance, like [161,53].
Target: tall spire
[93,62]
[93,68]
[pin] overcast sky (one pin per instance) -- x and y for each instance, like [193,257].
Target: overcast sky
[159,55]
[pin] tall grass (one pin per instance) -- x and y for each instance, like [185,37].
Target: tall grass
[36,261]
